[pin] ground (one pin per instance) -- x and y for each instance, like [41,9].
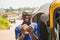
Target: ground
[9,34]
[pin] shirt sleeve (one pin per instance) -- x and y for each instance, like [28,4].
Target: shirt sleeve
[17,32]
[36,29]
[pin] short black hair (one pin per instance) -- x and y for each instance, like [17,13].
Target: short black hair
[26,13]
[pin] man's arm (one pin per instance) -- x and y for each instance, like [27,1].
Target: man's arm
[32,34]
[18,34]
[21,37]
[34,37]
[23,31]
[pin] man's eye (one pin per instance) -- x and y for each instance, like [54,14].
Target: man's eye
[24,15]
[28,15]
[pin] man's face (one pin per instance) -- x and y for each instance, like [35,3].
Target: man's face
[26,16]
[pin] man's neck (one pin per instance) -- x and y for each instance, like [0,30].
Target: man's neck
[28,23]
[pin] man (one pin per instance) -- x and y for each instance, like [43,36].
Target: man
[27,30]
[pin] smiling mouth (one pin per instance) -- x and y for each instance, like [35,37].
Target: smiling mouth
[26,19]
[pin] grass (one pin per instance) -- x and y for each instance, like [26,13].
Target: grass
[4,23]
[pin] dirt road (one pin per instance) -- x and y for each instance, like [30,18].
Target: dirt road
[9,34]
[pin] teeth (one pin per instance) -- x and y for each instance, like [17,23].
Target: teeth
[26,19]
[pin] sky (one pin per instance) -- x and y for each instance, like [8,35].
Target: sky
[22,3]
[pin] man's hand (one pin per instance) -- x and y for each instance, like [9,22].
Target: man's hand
[30,29]
[23,29]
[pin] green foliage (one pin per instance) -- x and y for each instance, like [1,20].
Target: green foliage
[4,23]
